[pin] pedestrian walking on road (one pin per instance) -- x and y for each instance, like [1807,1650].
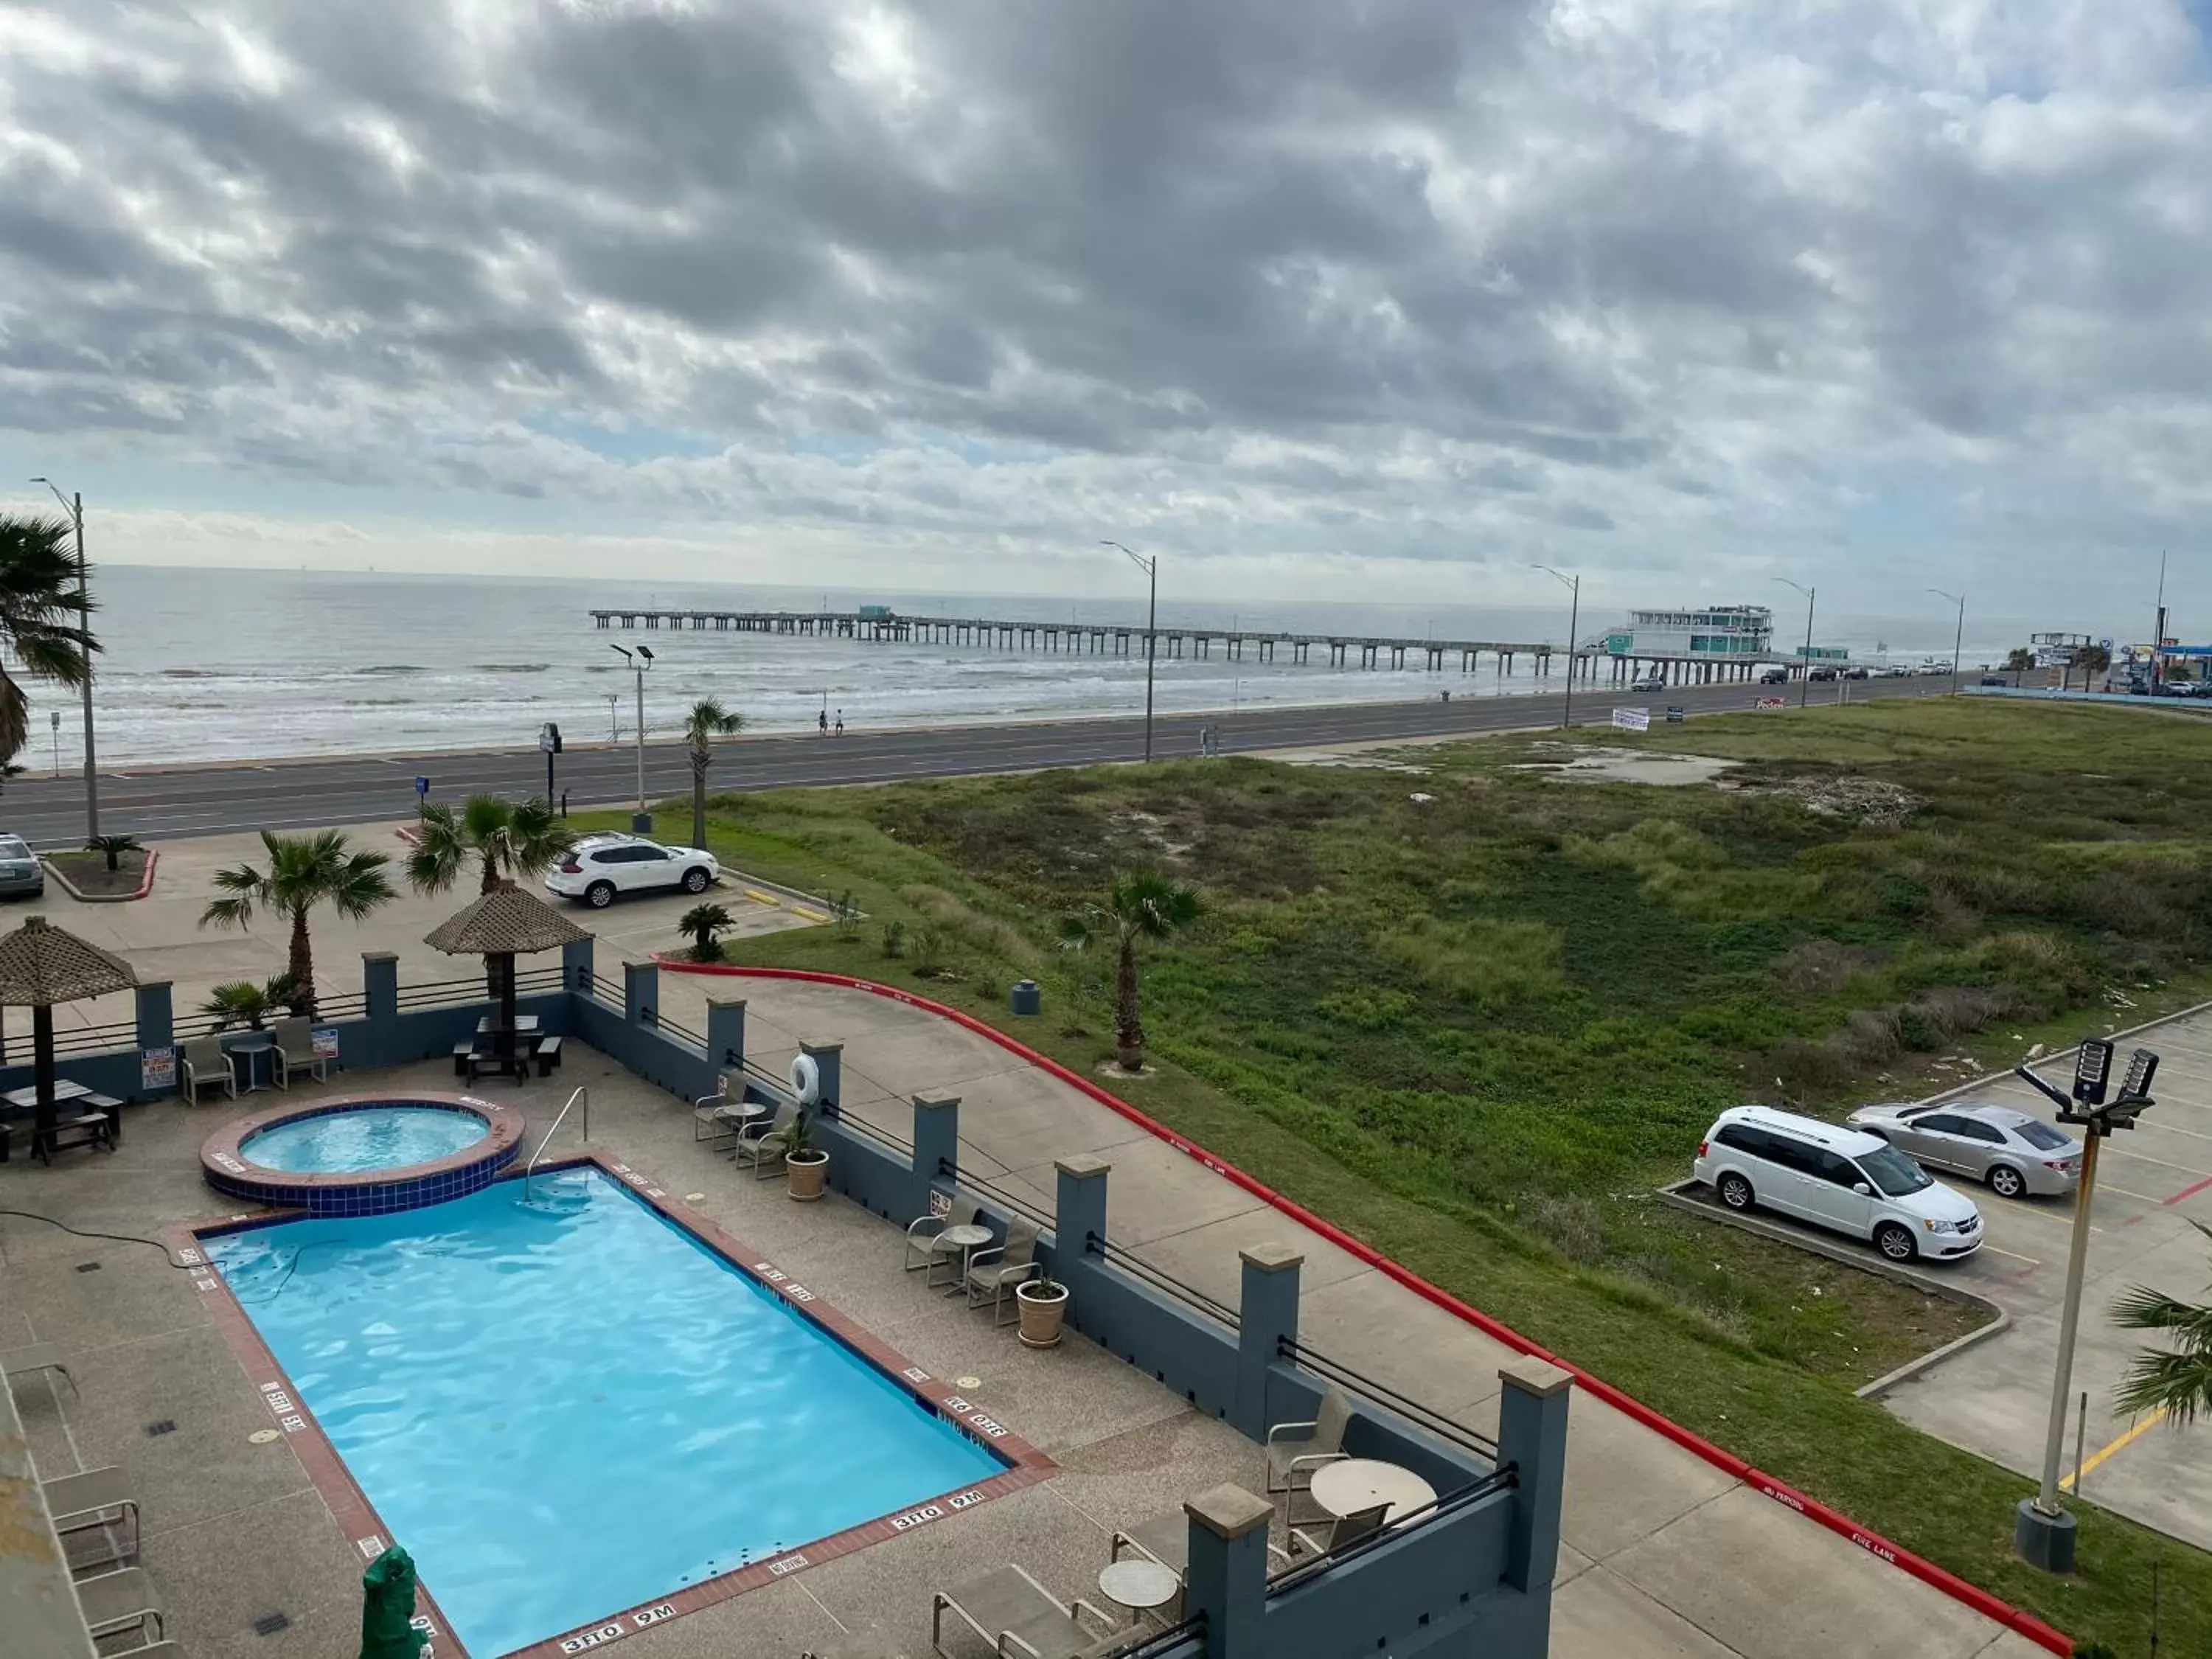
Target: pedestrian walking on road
[841,722]
[822,721]
[564,803]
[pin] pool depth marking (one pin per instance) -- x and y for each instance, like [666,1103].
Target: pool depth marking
[359,1521]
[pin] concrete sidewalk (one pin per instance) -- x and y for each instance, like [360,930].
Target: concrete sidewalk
[1666,1555]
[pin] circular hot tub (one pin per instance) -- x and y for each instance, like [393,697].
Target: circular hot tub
[363,1155]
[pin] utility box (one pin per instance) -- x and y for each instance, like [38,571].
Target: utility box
[1025,998]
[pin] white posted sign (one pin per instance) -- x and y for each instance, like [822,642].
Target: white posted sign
[1633,719]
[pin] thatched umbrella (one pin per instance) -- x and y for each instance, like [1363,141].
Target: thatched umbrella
[40,965]
[503,924]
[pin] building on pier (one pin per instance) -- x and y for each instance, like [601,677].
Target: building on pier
[1720,633]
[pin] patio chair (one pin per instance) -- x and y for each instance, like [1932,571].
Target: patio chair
[1295,1450]
[117,1601]
[924,1237]
[1334,1532]
[707,1124]
[98,1500]
[295,1051]
[761,1144]
[1166,1539]
[38,1357]
[206,1066]
[1019,1616]
[993,1271]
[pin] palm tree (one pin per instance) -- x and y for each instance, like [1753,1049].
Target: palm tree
[2159,1379]
[511,840]
[114,846]
[2017,662]
[708,720]
[41,623]
[304,872]
[1138,907]
[702,922]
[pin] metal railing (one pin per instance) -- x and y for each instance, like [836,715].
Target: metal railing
[1426,1418]
[541,979]
[1137,1267]
[1012,1202]
[1460,1498]
[681,1033]
[609,990]
[581,1094]
[1155,1644]
[346,1005]
[868,1131]
[437,992]
[88,1039]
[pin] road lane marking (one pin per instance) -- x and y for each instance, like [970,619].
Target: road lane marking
[2140,1427]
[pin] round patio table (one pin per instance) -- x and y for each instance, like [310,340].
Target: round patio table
[967,1238]
[250,1049]
[1356,1484]
[1138,1585]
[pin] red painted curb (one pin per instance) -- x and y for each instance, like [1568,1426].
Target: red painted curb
[1990,1606]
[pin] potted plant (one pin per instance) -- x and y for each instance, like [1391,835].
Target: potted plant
[805,1164]
[1042,1303]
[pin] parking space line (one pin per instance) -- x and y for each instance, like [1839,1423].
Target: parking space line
[2139,1427]
[2125,1192]
[2032,1260]
[2163,1164]
[2065,1221]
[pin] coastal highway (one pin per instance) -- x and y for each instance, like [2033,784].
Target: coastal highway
[167,802]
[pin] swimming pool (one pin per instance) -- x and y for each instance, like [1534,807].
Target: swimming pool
[366,1138]
[564,1404]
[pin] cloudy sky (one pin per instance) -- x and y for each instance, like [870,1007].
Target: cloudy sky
[1345,298]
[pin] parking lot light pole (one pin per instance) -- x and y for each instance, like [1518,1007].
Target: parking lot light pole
[1151,566]
[74,506]
[1804,685]
[2042,1532]
[1958,640]
[1574,617]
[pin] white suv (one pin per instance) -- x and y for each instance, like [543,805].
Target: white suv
[600,866]
[1842,1179]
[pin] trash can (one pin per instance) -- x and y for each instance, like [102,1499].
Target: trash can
[1026,998]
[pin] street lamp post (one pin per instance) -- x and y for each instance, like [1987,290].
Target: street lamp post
[2042,1532]
[74,506]
[1151,566]
[1805,685]
[1574,619]
[1958,639]
[642,821]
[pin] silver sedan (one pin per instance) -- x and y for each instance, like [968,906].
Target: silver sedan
[2015,1153]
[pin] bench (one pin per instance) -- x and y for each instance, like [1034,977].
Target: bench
[516,1064]
[71,1129]
[549,1055]
[463,1053]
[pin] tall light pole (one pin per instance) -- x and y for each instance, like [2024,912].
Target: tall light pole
[1958,640]
[1805,685]
[1151,566]
[1574,618]
[641,822]
[74,506]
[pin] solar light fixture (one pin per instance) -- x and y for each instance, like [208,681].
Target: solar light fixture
[2093,1067]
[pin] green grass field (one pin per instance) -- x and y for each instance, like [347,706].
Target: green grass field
[1478,1028]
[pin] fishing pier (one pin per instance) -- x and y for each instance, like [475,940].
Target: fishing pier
[1175,642]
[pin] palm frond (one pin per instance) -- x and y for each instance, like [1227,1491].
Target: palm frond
[359,884]
[2179,1384]
[2142,1309]
[227,913]
[437,861]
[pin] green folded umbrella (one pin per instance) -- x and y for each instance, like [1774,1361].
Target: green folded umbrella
[388,1606]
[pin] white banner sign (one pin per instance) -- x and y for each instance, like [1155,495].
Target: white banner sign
[1633,719]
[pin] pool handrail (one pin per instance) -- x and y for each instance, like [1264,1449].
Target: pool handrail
[583,1094]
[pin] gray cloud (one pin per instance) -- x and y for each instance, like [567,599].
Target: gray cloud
[1655,285]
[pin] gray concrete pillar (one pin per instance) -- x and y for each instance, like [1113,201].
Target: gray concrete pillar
[936,1150]
[1532,1436]
[830,1067]
[641,993]
[576,968]
[1228,1576]
[1266,1313]
[725,1041]
[157,1027]
[1079,1216]
[380,984]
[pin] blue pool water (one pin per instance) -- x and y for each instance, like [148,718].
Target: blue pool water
[365,1138]
[564,1404]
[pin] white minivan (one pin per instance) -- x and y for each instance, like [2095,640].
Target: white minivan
[1842,1179]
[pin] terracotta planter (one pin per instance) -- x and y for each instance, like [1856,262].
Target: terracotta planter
[1042,1315]
[803,1175]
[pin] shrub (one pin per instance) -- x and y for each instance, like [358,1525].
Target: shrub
[1367,1011]
[930,945]
[894,939]
[1821,965]
[1482,961]
[1572,1225]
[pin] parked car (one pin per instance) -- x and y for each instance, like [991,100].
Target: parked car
[600,866]
[1842,1179]
[22,875]
[1997,679]
[1649,682]
[1821,674]
[1897,670]
[2014,1153]
[1774,677]
[1858,673]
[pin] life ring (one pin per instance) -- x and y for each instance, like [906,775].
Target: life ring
[806,1079]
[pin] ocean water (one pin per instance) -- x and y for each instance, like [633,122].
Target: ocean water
[563,1406]
[231,664]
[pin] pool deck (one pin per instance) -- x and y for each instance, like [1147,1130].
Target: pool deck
[235,1532]
[1665,1555]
